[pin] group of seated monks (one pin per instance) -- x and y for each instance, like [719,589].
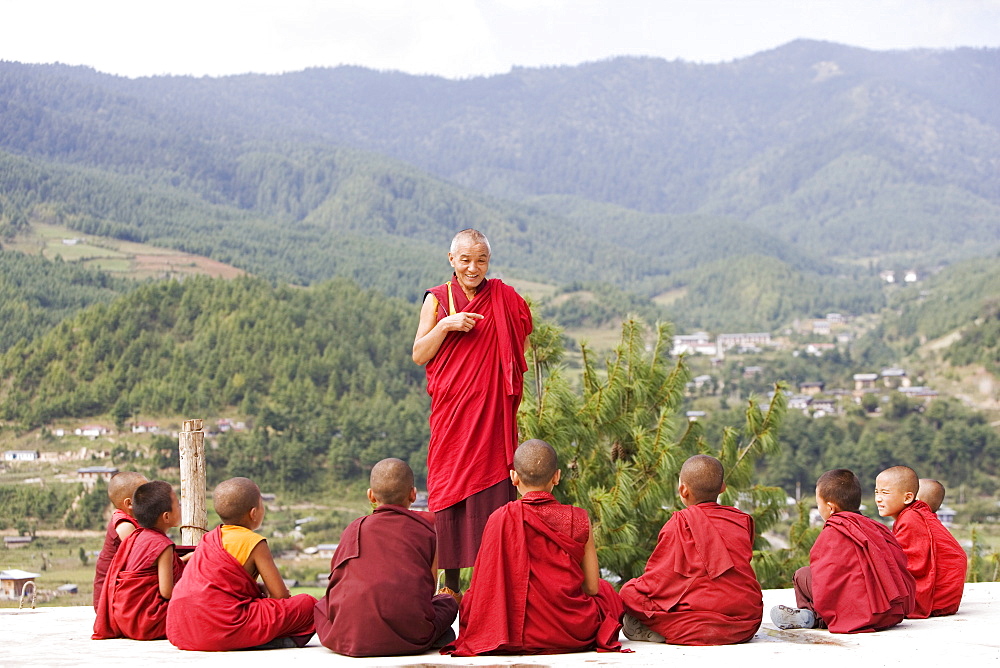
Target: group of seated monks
[536,585]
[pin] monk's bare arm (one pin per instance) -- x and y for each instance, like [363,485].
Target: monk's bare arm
[165,572]
[591,571]
[124,530]
[263,562]
[431,331]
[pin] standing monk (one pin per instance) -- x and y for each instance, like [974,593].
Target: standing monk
[471,337]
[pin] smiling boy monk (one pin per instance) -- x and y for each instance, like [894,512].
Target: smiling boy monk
[120,490]
[380,600]
[856,580]
[536,587]
[698,587]
[934,558]
[141,577]
[218,605]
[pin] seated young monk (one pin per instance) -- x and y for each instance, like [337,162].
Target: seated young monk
[141,577]
[120,490]
[218,605]
[856,580]
[698,587]
[931,492]
[536,588]
[381,597]
[934,558]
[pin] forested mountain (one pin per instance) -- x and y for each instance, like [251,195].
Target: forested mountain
[836,150]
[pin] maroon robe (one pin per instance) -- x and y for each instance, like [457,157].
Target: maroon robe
[698,587]
[859,577]
[526,595]
[217,606]
[130,605]
[111,544]
[380,600]
[934,558]
[475,381]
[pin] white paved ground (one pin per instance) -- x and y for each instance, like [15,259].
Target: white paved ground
[970,639]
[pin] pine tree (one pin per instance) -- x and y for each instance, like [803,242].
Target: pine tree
[622,438]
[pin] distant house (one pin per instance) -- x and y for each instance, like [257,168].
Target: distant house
[918,392]
[326,550]
[145,428]
[751,371]
[812,387]
[821,327]
[694,416]
[864,381]
[20,455]
[835,318]
[91,430]
[895,378]
[698,343]
[11,542]
[817,349]
[12,581]
[743,340]
[91,474]
[946,515]
[823,407]
[799,402]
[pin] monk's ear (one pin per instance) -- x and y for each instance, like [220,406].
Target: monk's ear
[413,495]
[683,491]
[556,476]
[908,498]
[127,504]
[514,478]
[723,489]
[371,497]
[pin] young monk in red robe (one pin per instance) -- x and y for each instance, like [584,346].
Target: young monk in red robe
[381,597]
[856,580]
[471,336]
[698,587]
[931,492]
[536,588]
[120,490]
[218,605]
[933,556]
[142,575]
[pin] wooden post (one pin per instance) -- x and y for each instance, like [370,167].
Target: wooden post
[194,517]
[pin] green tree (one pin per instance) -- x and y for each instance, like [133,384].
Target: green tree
[621,439]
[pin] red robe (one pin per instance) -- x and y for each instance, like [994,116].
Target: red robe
[380,600]
[130,605]
[217,606]
[526,595]
[475,381]
[111,544]
[699,587]
[859,577]
[934,558]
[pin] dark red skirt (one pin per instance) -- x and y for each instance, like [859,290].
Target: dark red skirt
[460,527]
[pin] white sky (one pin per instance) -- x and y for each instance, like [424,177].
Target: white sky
[459,38]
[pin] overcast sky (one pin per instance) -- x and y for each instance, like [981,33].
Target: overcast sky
[460,38]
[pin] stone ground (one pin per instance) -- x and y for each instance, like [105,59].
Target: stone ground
[61,637]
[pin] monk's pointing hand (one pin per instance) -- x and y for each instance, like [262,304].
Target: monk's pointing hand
[461,322]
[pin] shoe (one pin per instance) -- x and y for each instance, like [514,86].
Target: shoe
[785,617]
[636,630]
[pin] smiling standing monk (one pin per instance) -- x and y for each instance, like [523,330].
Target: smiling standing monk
[471,338]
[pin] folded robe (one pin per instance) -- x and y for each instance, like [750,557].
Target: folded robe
[380,600]
[217,606]
[130,605]
[111,544]
[934,558]
[698,587]
[859,577]
[526,595]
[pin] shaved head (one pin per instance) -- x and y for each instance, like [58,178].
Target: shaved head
[703,475]
[470,237]
[234,498]
[535,462]
[123,485]
[841,487]
[931,492]
[391,482]
[902,478]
